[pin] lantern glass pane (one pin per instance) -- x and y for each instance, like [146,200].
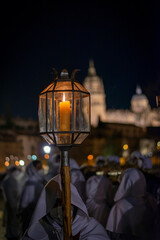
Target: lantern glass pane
[64,85]
[47,139]
[51,136]
[81,138]
[63,111]
[75,87]
[85,108]
[49,88]
[75,135]
[49,112]
[77,119]
[42,113]
[80,87]
[63,138]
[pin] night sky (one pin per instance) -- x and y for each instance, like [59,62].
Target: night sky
[122,37]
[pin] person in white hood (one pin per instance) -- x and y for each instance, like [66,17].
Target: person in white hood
[99,198]
[54,164]
[31,192]
[77,178]
[47,224]
[10,190]
[134,215]
[139,160]
[100,161]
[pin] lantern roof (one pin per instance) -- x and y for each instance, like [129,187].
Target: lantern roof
[64,82]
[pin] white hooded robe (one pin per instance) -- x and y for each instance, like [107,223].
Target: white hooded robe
[88,228]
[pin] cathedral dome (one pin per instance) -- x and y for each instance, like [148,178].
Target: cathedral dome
[139,101]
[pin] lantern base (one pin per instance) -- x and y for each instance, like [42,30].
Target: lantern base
[64,156]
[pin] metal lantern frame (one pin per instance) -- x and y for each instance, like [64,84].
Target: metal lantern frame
[76,88]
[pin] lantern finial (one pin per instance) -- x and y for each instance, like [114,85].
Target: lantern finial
[74,73]
[55,73]
[64,74]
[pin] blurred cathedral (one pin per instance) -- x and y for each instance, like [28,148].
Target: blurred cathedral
[140,113]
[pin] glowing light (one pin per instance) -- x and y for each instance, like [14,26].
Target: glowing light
[64,111]
[46,156]
[34,157]
[47,149]
[21,162]
[17,163]
[63,97]
[6,163]
[158,145]
[122,161]
[99,173]
[125,146]
[90,157]
[114,173]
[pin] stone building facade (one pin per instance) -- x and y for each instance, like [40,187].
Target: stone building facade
[19,141]
[138,127]
[140,114]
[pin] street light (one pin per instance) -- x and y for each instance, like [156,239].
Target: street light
[64,121]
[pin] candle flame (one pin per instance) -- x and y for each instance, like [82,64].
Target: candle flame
[63,97]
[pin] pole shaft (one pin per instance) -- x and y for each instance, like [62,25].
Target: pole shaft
[66,195]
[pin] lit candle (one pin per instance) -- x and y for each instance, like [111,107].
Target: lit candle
[64,108]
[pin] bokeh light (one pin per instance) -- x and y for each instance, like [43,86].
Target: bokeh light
[34,157]
[158,145]
[6,163]
[47,149]
[125,146]
[21,162]
[17,163]
[46,156]
[122,161]
[90,157]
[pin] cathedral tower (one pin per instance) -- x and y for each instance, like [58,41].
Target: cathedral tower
[94,84]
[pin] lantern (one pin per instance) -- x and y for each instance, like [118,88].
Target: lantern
[64,111]
[64,121]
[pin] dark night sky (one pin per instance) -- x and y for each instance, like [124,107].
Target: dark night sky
[122,37]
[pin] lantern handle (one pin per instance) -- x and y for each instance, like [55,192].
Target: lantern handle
[74,73]
[55,73]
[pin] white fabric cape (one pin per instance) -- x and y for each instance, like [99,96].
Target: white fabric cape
[133,213]
[88,228]
[99,200]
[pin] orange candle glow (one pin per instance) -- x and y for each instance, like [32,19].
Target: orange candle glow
[64,108]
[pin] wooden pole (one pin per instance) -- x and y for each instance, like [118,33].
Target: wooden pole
[66,195]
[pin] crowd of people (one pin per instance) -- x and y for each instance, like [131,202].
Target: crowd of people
[127,209]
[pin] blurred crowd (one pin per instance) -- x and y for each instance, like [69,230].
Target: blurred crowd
[106,203]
